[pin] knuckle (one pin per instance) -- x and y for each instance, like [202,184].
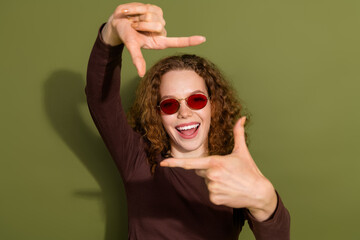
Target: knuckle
[211,175]
[113,23]
[186,165]
[158,9]
[216,163]
[214,199]
[158,27]
[213,161]
[220,164]
[212,186]
[118,8]
[148,6]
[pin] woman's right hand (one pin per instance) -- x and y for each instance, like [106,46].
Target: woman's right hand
[139,25]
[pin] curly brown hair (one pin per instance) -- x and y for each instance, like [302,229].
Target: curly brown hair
[145,118]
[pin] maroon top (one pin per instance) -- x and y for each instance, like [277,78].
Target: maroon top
[173,203]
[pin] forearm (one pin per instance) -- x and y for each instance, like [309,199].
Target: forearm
[103,97]
[266,202]
[103,73]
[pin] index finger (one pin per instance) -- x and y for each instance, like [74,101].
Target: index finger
[178,42]
[187,163]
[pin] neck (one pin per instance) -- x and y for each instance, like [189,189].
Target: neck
[182,153]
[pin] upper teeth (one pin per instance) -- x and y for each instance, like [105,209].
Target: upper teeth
[188,127]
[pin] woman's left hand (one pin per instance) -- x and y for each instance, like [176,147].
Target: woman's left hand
[234,180]
[139,25]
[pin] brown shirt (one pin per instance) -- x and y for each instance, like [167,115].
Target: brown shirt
[173,203]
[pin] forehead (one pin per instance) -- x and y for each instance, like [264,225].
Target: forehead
[180,83]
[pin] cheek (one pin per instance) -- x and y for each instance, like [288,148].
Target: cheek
[206,117]
[163,120]
[166,121]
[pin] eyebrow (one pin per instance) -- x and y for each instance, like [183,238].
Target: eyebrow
[194,92]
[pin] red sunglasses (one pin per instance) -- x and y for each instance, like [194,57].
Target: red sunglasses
[171,105]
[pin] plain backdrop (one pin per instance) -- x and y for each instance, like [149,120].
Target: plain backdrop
[295,64]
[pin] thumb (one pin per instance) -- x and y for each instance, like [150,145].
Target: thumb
[239,134]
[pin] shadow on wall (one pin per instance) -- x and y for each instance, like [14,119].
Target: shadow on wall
[63,95]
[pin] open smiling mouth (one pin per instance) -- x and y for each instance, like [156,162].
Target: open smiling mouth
[188,130]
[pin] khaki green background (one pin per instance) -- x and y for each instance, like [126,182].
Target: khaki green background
[294,63]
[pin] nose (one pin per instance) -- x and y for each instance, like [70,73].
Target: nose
[184,110]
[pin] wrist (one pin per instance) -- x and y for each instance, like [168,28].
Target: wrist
[109,36]
[266,203]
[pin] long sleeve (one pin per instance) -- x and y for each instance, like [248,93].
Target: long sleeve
[276,227]
[103,97]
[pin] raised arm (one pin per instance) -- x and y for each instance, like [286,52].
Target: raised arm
[136,26]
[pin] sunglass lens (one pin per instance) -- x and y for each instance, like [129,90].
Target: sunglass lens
[169,106]
[197,101]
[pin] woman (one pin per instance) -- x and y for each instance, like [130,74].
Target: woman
[184,110]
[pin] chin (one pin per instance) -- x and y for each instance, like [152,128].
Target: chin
[186,146]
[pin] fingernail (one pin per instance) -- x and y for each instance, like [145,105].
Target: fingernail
[125,10]
[203,38]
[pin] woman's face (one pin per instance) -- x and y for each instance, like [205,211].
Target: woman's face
[188,129]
